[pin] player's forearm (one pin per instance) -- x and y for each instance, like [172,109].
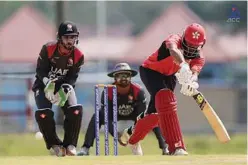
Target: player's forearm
[72,76]
[42,75]
[43,67]
[197,64]
[177,55]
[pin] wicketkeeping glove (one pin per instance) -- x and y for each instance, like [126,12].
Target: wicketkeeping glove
[62,95]
[49,89]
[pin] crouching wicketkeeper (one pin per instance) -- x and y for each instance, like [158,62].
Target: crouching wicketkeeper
[57,70]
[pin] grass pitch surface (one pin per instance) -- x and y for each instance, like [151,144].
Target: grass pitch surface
[27,145]
[24,149]
[127,160]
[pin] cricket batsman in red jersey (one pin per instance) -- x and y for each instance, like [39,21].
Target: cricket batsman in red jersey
[178,58]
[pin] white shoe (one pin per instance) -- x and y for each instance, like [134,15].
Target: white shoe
[165,151]
[136,149]
[71,150]
[58,150]
[180,152]
[84,151]
[124,138]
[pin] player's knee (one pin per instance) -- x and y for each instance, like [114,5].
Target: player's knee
[153,119]
[165,100]
[143,127]
[74,111]
[148,122]
[41,114]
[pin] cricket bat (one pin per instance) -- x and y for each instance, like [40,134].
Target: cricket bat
[212,118]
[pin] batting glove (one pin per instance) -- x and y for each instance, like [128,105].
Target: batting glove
[184,74]
[189,89]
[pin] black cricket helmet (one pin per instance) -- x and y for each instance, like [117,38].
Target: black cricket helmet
[67,28]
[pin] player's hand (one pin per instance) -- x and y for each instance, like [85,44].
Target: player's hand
[184,74]
[194,77]
[189,89]
[49,89]
[62,95]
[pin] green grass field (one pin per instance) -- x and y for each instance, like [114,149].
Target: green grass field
[23,149]
[128,160]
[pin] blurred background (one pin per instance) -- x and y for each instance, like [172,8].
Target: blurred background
[121,31]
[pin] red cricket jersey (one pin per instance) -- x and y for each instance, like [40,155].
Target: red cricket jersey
[162,62]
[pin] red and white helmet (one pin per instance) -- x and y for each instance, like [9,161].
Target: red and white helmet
[194,38]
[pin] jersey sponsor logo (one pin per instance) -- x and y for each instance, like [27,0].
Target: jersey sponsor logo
[70,62]
[130,99]
[56,72]
[125,110]
[53,61]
